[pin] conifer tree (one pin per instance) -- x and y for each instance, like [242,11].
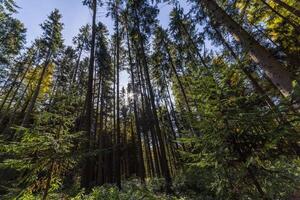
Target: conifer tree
[186,110]
[52,42]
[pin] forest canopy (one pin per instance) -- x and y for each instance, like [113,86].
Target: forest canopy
[210,109]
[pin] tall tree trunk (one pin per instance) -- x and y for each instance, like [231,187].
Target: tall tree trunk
[295,26]
[194,45]
[98,131]
[152,160]
[118,136]
[137,124]
[114,110]
[10,89]
[77,65]
[243,12]
[48,183]
[255,84]
[18,104]
[37,90]
[259,54]
[17,89]
[2,89]
[291,9]
[163,160]
[147,115]
[177,76]
[87,170]
[171,124]
[169,99]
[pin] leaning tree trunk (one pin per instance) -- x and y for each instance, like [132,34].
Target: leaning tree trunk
[259,54]
[254,83]
[10,89]
[291,9]
[36,91]
[74,75]
[177,77]
[295,26]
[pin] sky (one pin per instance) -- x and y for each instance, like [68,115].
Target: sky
[74,15]
[33,12]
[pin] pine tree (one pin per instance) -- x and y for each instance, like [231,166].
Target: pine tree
[52,41]
[198,117]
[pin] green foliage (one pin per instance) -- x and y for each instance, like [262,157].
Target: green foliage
[8,6]
[131,191]
[12,32]
[236,137]
[246,149]
[52,36]
[44,151]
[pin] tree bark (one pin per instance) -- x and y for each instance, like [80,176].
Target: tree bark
[259,54]
[291,9]
[87,170]
[137,124]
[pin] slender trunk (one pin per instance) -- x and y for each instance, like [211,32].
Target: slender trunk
[126,148]
[18,87]
[149,158]
[48,183]
[10,90]
[118,136]
[295,26]
[291,9]
[77,65]
[166,135]
[163,160]
[173,113]
[137,124]
[55,89]
[87,171]
[149,118]
[100,139]
[259,54]
[243,12]
[17,105]
[2,89]
[36,91]
[186,32]
[171,124]
[98,131]
[145,128]
[255,84]
[114,113]
[177,77]
[13,114]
